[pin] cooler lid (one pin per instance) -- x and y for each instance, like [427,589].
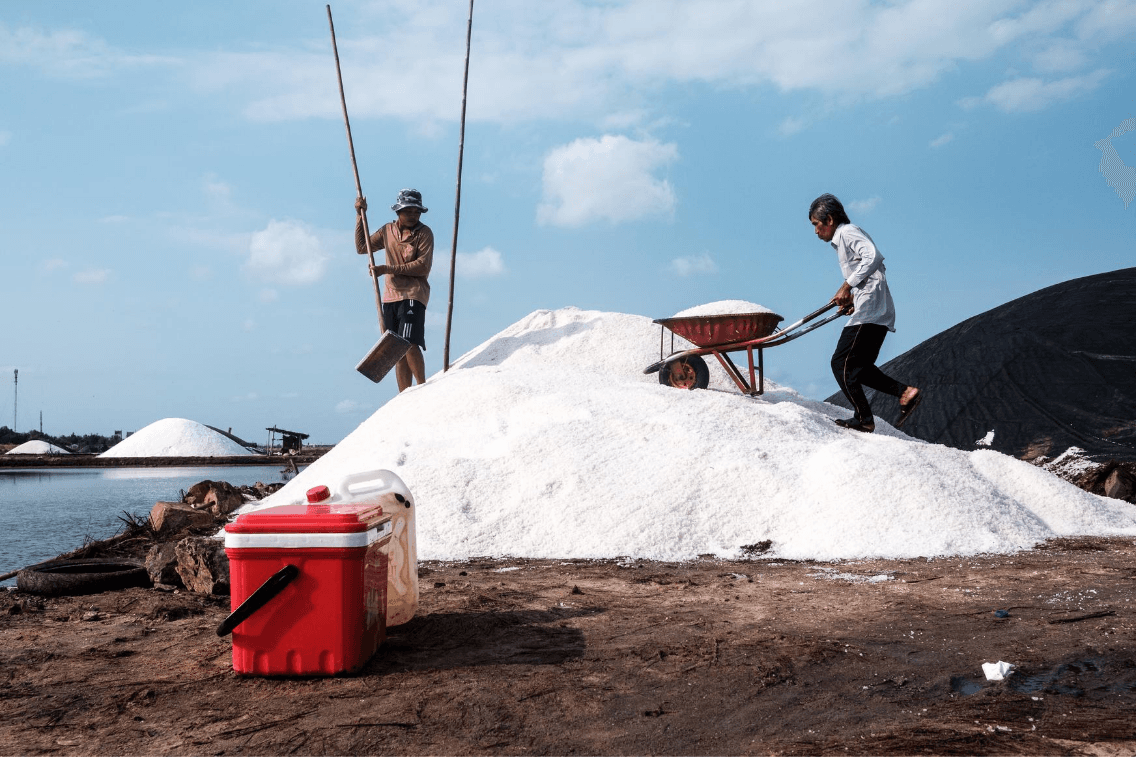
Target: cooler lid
[308,519]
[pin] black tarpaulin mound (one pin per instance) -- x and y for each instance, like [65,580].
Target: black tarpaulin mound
[1051,370]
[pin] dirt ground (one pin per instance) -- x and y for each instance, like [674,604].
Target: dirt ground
[617,657]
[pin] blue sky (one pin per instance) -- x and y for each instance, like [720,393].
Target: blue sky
[177,194]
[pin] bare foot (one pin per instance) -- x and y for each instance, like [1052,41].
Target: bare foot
[908,401]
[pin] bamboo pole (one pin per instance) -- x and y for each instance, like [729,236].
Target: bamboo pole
[457,195]
[355,169]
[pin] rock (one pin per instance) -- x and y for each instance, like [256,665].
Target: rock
[1120,484]
[171,517]
[161,564]
[203,565]
[260,490]
[220,497]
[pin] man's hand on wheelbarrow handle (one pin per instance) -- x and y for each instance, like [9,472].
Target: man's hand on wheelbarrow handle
[843,298]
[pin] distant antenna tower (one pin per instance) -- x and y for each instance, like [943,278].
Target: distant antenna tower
[16,398]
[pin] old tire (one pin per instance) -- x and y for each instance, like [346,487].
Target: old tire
[67,577]
[685,373]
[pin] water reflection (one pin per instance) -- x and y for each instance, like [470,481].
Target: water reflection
[130,474]
[45,512]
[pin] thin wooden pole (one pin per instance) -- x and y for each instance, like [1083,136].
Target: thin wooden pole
[458,191]
[355,168]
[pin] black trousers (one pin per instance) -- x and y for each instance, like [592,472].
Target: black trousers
[854,366]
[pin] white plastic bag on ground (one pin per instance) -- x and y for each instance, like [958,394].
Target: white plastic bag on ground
[996,671]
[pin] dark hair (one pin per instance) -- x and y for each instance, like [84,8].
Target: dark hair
[827,207]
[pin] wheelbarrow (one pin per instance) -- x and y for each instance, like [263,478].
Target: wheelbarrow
[719,335]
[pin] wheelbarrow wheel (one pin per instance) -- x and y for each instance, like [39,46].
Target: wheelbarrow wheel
[686,373]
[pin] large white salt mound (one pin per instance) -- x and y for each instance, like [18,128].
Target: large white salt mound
[38,447]
[549,441]
[176,437]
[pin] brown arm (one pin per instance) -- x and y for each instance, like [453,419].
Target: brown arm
[376,238]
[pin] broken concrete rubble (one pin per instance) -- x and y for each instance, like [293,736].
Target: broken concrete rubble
[203,565]
[167,518]
[161,564]
[219,497]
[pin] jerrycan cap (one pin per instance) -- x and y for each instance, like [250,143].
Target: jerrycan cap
[318,494]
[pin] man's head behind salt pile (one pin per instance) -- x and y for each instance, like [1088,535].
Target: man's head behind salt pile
[548,441]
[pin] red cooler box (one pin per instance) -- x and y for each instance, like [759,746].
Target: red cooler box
[323,569]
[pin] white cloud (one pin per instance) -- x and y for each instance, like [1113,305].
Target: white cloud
[484,263]
[943,139]
[5,138]
[791,125]
[1107,21]
[864,206]
[624,119]
[248,325]
[54,264]
[1060,55]
[611,178]
[1030,93]
[606,61]
[201,273]
[69,53]
[286,252]
[217,190]
[353,407]
[694,264]
[92,276]
[267,296]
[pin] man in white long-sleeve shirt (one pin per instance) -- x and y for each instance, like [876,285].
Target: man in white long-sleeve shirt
[865,295]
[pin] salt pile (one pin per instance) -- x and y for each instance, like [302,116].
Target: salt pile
[176,437]
[549,441]
[37,447]
[722,307]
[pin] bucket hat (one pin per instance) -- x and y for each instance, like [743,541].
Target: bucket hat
[409,198]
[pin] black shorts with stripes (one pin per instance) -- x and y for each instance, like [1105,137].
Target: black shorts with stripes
[407,318]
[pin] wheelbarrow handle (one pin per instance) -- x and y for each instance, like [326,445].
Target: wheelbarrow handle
[829,306]
[802,322]
[812,327]
[258,599]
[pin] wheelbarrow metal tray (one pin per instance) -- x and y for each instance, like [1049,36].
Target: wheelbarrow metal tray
[714,330]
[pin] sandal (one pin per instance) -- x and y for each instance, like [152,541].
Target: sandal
[856,425]
[905,411]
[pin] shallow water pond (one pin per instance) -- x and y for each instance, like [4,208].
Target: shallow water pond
[44,513]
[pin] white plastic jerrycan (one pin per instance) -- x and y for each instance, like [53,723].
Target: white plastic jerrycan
[382,487]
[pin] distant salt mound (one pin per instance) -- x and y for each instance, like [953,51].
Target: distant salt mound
[176,437]
[37,447]
[549,441]
[722,307]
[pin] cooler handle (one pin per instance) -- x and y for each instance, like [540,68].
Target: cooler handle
[372,482]
[258,599]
